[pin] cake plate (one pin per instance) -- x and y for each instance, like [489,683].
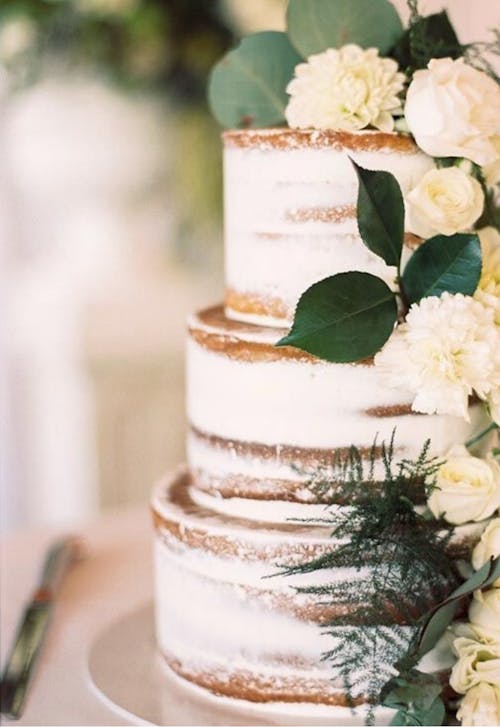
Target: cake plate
[128,674]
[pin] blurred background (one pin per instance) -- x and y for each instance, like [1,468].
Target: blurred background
[110,233]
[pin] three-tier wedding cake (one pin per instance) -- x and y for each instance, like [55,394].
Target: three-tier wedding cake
[313,460]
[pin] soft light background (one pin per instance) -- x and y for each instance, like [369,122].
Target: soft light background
[110,233]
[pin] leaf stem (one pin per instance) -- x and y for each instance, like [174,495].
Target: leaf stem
[402,294]
[477,438]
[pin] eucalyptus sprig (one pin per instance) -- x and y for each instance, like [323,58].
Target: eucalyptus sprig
[349,316]
[418,696]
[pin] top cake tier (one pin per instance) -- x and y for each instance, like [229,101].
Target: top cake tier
[290,212]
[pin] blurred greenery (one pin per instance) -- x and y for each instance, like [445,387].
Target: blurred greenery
[165,45]
[164,48]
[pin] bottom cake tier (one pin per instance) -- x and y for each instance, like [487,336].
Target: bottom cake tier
[230,621]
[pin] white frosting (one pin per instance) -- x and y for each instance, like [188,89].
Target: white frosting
[303,403]
[230,517]
[268,511]
[269,252]
[210,622]
[218,612]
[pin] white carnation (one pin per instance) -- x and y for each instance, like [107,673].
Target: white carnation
[480,707]
[346,90]
[445,201]
[467,488]
[453,110]
[442,353]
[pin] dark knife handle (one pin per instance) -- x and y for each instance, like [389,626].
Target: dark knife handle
[22,658]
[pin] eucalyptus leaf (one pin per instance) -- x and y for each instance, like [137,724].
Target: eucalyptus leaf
[440,617]
[315,25]
[247,88]
[381,213]
[346,317]
[442,264]
[417,697]
[433,716]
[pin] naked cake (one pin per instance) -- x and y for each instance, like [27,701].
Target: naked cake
[328,401]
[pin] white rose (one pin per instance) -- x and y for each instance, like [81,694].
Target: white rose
[489,545]
[477,662]
[494,405]
[467,488]
[484,615]
[445,201]
[453,110]
[488,290]
[492,171]
[480,707]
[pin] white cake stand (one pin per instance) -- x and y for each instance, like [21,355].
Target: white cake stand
[129,674]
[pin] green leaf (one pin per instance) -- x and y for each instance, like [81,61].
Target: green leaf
[247,87]
[433,716]
[381,213]
[417,697]
[315,25]
[346,317]
[429,37]
[440,617]
[442,264]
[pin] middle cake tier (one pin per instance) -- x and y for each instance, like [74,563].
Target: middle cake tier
[265,421]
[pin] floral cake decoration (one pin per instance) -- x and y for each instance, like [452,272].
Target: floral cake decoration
[352,66]
[344,66]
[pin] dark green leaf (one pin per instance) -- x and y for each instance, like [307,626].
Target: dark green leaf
[430,37]
[381,213]
[248,86]
[346,317]
[440,617]
[315,25]
[442,264]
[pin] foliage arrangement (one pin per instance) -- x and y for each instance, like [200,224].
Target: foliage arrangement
[248,86]
[433,329]
[383,622]
[417,696]
[408,569]
[349,316]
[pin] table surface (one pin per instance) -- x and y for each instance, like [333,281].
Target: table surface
[114,578]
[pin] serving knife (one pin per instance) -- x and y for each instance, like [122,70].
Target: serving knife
[33,626]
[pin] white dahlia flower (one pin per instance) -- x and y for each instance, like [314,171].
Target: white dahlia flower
[442,353]
[345,90]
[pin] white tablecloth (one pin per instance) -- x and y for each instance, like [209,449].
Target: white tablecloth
[115,577]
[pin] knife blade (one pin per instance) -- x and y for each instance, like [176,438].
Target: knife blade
[33,626]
